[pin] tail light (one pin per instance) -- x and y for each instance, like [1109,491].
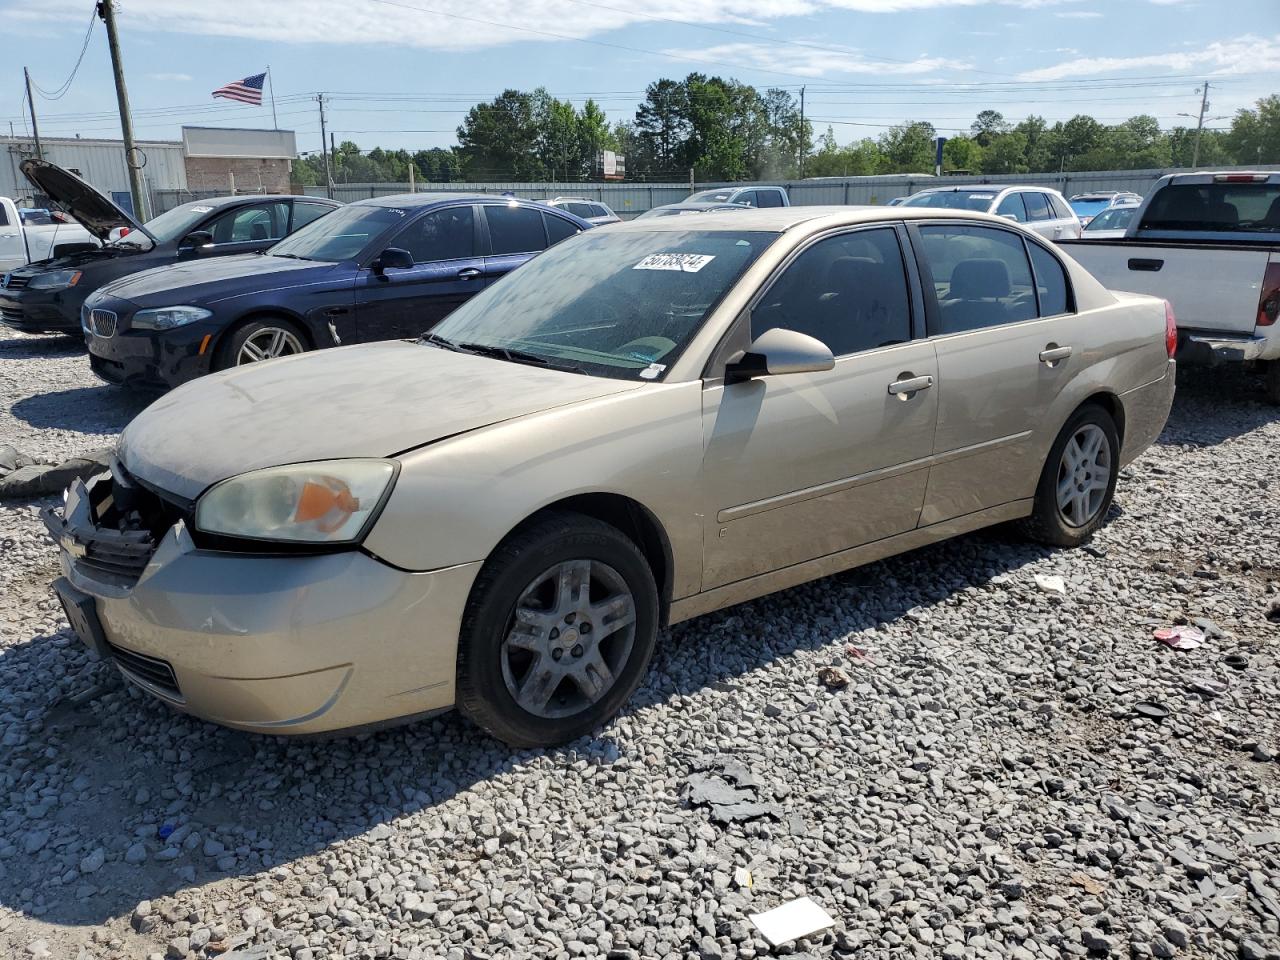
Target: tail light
[1269,302]
[1170,330]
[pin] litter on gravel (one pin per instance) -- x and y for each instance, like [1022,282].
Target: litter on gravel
[792,921]
[1179,638]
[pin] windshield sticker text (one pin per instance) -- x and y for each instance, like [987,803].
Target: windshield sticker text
[683,262]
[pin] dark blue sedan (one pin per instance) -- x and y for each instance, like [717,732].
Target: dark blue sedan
[373,270]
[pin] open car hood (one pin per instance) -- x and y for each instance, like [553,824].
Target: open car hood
[93,211]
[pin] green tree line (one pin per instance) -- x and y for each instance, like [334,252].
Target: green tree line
[726,130]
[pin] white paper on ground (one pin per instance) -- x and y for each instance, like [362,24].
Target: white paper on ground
[791,921]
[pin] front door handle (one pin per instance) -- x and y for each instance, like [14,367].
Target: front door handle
[469,273]
[907,385]
[1054,354]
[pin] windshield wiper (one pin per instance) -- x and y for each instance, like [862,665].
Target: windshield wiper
[289,256]
[516,356]
[436,340]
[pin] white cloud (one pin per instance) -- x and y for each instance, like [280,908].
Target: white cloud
[1079,15]
[808,62]
[451,24]
[1248,54]
[171,77]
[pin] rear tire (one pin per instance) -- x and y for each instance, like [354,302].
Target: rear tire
[1078,481]
[569,660]
[264,339]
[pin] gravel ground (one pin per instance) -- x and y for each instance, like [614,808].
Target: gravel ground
[982,788]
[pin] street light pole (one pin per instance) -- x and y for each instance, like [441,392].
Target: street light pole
[106,10]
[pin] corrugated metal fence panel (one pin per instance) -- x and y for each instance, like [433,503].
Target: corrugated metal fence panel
[630,198]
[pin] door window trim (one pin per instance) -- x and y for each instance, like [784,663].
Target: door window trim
[927,280]
[737,337]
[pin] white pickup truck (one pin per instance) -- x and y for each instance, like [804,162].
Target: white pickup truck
[1209,243]
[27,236]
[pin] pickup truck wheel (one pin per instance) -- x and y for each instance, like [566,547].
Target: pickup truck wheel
[1273,381]
[1078,481]
[557,633]
[260,340]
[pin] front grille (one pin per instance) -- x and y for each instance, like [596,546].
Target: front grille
[102,323]
[12,282]
[11,315]
[152,670]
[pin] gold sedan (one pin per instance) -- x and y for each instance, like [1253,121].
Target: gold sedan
[642,425]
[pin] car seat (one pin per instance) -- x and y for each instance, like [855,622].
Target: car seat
[974,300]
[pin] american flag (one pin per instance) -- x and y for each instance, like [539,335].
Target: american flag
[248,90]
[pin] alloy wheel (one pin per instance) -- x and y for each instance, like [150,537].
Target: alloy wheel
[1084,475]
[267,344]
[569,638]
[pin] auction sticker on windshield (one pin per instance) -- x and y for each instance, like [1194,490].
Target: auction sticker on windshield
[684,262]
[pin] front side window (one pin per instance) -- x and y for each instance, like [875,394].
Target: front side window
[264,221]
[582,210]
[1117,218]
[1012,206]
[769,198]
[515,229]
[448,234]
[980,277]
[749,197]
[620,304]
[848,291]
[1037,206]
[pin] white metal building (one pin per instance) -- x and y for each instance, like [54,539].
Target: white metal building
[100,162]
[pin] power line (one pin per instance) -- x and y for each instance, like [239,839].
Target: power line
[66,85]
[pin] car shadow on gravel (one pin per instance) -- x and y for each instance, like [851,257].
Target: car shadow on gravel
[128,768]
[102,409]
[40,346]
[1215,404]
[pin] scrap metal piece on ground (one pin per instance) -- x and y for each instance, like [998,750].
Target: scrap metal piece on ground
[791,921]
[730,790]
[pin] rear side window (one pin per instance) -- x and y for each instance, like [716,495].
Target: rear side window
[1060,209]
[304,213]
[4,217]
[558,228]
[1037,206]
[1051,282]
[1243,207]
[1012,206]
[582,210]
[600,211]
[515,229]
[849,291]
[448,234]
[769,198]
[980,277]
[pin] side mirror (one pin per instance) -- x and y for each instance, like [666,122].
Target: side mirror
[780,351]
[195,241]
[392,258]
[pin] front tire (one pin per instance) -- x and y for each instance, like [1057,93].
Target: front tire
[256,340]
[558,632]
[1078,481]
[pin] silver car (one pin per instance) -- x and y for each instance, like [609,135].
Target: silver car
[1039,208]
[642,425]
[593,211]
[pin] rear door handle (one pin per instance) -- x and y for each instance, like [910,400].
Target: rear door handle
[1054,354]
[469,273]
[909,385]
[1141,263]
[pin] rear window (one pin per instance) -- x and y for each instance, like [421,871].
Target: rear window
[1215,207]
[979,200]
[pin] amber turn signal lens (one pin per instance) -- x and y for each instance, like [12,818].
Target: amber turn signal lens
[329,505]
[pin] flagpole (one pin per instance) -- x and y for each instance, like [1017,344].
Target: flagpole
[272,86]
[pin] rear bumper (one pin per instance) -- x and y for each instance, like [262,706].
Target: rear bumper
[1196,347]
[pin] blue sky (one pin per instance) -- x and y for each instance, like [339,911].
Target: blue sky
[403,72]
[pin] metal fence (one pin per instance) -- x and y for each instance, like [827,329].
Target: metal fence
[630,199]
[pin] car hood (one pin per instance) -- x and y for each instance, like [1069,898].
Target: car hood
[212,279]
[372,400]
[91,209]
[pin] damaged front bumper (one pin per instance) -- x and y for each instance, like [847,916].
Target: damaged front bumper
[286,643]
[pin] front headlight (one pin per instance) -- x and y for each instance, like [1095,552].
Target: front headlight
[55,280]
[166,318]
[333,501]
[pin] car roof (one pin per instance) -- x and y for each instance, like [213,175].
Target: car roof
[426,199]
[253,198]
[986,188]
[780,219]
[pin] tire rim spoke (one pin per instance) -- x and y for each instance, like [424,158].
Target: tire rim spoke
[539,684]
[593,677]
[1084,475]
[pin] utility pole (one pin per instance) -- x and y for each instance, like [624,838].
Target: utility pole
[324,148]
[804,137]
[31,102]
[1204,108]
[106,10]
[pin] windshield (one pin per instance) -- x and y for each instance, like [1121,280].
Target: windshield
[341,235]
[1117,218]
[174,224]
[711,196]
[620,305]
[953,199]
[1216,207]
[1089,208]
